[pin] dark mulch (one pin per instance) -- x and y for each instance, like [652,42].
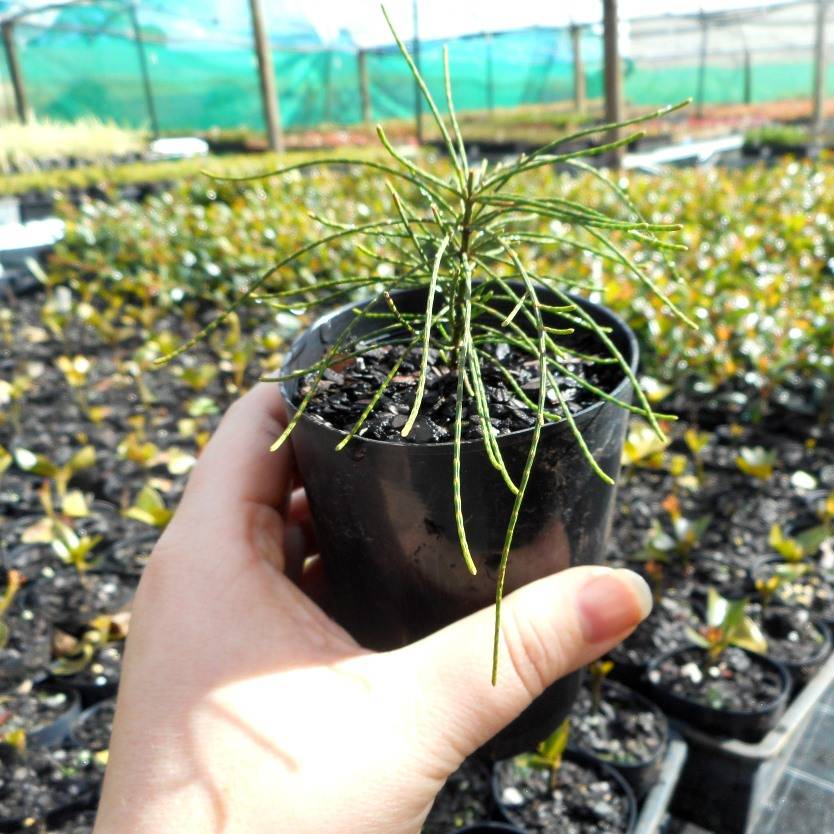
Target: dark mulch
[38,782]
[463,800]
[734,682]
[621,729]
[345,392]
[32,709]
[585,801]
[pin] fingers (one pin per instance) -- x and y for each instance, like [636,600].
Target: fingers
[549,628]
[236,467]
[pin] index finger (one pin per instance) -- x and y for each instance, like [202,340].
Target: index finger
[236,467]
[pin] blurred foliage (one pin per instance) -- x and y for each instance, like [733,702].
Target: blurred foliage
[757,276]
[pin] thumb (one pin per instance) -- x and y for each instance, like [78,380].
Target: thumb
[548,629]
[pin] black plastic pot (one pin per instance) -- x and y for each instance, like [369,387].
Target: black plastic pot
[802,672]
[747,726]
[91,714]
[761,568]
[384,519]
[582,758]
[641,776]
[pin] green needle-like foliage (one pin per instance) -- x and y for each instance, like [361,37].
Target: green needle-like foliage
[462,239]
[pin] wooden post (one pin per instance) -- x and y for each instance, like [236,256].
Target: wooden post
[14,72]
[364,85]
[578,69]
[143,68]
[418,96]
[818,118]
[613,78]
[490,73]
[748,77]
[702,69]
[266,75]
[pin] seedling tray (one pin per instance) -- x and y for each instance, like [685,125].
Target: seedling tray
[726,783]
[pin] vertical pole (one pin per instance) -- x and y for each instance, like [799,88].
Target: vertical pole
[578,69]
[14,72]
[143,67]
[266,75]
[613,78]
[702,68]
[418,98]
[490,73]
[748,77]
[818,118]
[364,85]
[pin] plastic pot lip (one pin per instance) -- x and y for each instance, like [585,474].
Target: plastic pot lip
[773,706]
[580,417]
[644,703]
[587,760]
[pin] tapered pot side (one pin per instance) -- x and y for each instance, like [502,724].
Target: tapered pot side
[384,516]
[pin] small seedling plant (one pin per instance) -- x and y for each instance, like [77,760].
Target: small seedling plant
[727,624]
[549,753]
[462,238]
[14,581]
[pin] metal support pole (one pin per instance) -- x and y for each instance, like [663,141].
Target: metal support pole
[418,96]
[364,85]
[613,78]
[14,72]
[143,68]
[266,75]
[702,69]
[578,70]
[818,118]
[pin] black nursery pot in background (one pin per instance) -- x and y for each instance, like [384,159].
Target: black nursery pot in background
[384,517]
[749,725]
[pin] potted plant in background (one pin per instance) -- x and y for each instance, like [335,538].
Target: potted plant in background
[461,408]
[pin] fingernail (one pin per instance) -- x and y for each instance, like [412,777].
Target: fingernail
[610,604]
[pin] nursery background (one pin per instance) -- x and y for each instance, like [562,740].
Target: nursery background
[117,247]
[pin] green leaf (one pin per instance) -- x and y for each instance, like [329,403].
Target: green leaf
[149,508]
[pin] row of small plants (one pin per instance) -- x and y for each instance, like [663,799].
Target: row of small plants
[87,486]
[109,179]
[760,260]
[43,144]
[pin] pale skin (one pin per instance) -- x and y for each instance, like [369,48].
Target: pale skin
[244,709]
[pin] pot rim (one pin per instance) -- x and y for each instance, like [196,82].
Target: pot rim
[778,666]
[584,415]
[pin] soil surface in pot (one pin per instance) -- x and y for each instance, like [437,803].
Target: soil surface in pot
[346,390]
[734,682]
[463,800]
[31,710]
[67,597]
[791,635]
[811,591]
[620,730]
[37,782]
[584,801]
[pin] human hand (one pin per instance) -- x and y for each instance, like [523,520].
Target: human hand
[244,708]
